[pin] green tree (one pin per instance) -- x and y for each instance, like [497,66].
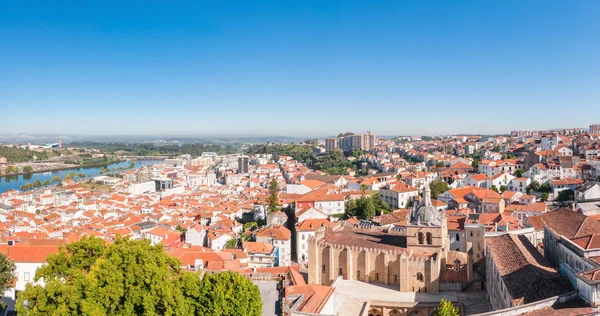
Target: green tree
[528,190]
[495,189]
[180,228]
[357,153]
[11,169]
[446,308]
[545,188]
[131,165]
[37,183]
[103,170]
[131,277]
[398,177]
[26,186]
[71,175]
[545,196]
[27,169]
[55,179]
[231,243]
[503,188]
[7,273]
[228,293]
[273,195]
[535,185]
[46,183]
[250,225]
[565,196]
[438,187]
[519,173]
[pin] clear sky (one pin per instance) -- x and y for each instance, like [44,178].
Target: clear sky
[297,68]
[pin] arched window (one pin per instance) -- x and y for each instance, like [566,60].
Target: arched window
[340,271]
[420,236]
[376,276]
[419,276]
[429,238]
[358,274]
[395,278]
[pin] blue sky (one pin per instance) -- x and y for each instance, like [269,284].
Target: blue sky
[297,68]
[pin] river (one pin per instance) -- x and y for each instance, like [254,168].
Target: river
[15,182]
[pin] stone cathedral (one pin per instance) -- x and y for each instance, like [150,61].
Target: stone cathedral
[411,258]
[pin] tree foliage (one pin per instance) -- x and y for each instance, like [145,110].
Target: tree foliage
[7,269]
[519,173]
[16,154]
[228,294]
[128,277]
[446,308]
[438,187]
[27,169]
[366,207]
[273,195]
[495,189]
[566,195]
[149,149]
[545,196]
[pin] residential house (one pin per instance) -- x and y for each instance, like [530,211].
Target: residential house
[281,238]
[397,194]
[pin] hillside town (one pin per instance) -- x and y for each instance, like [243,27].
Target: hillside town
[498,225]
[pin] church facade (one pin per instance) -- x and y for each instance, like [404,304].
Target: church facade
[411,258]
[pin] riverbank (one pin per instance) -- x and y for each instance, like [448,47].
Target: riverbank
[14,182]
[68,167]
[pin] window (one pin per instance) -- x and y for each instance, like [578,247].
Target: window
[419,276]
[471,234]
[395,278]
[303,236]
[429,238]
[26,276]
[420,237]
[340,271]
[457,237]
[358,274]
[376,276]
[323,268]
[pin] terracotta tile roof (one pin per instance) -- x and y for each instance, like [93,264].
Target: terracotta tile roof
[313,184]
[257,247]
[276,232]
[456,222]
[538,207]
[399,217]
[571,224]
[574,307]
[399,186]
[320,195]
[526,274]
[365,238]
[588,242]
[28,253]
[312,224]
[461,192]
[314,296]
[536,221]
[478,177]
